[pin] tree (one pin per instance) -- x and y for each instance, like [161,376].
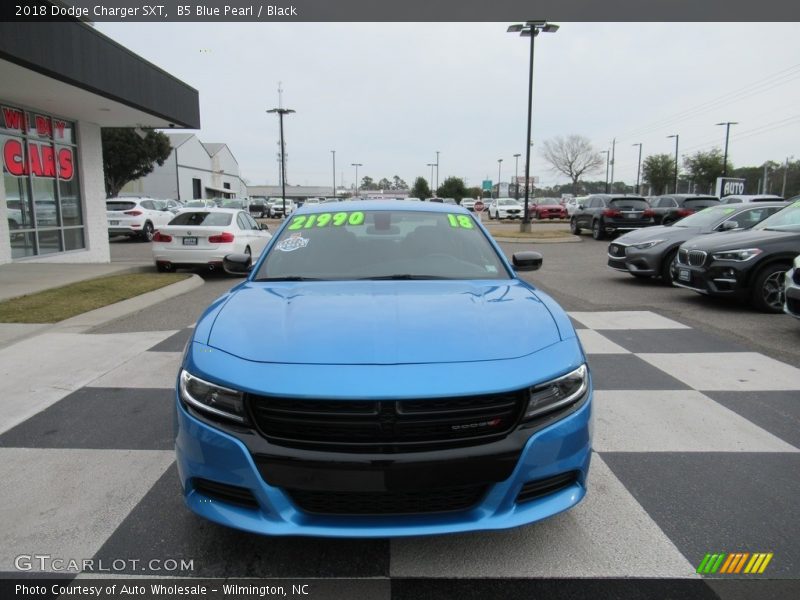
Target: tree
[658,170]
[128,156]
[572,156]
[453,187]
[367,183]
[703,168]
[473,192]
[420,189]
[398,184]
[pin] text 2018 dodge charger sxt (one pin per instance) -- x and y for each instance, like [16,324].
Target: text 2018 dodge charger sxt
[413,383]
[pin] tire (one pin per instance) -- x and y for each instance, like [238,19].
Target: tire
[666,267]
[147,232]
[573,227]
[667,222]
[767,292]
[597,231]
[163,268]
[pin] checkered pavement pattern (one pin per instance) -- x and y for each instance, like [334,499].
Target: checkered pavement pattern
[696,450]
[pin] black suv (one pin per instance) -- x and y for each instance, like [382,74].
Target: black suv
[608,213]
[673,207]
[746,265]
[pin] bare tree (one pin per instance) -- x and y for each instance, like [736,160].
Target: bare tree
[573,156]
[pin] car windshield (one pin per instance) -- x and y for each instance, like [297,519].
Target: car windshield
[381,244]
[706,217]
[196,203]
[787,219]
[507,202]
[204,219]
[629,203]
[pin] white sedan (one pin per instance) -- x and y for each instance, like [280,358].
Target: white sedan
[202,238]
[505,208]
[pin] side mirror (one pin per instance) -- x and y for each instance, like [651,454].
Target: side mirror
[237,264]
[264,227]
[527,260]
[581,206]
[728,225]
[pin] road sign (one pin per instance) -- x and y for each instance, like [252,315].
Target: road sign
[486,185]
[478,206]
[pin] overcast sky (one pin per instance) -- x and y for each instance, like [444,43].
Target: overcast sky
[389,95]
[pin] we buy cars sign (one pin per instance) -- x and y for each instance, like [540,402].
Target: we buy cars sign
[42,159]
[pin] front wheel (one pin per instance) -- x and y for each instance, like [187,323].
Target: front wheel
[573,227]
[666,267]
[768,292]
[597,231]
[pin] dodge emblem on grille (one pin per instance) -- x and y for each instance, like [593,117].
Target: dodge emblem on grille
[481,424]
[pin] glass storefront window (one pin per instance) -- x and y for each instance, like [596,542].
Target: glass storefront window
[42,188]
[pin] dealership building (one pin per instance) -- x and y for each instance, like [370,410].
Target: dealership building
[61,83]
[192,171]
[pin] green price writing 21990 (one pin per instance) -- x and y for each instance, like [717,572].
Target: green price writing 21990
[327,219]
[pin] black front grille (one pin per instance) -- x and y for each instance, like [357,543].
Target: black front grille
[616,250]
[388,503]
[695,258]
[225,493]
[542,487]
[386,426]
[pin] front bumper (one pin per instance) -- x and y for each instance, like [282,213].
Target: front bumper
[792,293]
[241,458]
[719,278]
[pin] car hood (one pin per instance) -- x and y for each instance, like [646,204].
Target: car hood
[731,240]
[658,232]
[383,322]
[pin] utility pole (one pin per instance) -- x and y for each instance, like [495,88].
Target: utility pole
[334,172]
[516,176]
[437,169]
[613,151]
[766,170]
[785,170]
[608,157]
[639,167]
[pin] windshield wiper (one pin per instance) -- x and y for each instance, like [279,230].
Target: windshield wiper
[289,278]
[401,276]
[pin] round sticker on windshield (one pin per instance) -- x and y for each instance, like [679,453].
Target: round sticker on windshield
[292,243]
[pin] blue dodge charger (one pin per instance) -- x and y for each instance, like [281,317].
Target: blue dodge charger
[381,372]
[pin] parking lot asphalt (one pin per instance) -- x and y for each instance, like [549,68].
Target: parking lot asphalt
[696,438]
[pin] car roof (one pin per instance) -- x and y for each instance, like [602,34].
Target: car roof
[382,205]
[213,210]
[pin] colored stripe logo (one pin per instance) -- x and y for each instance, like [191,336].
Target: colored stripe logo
[734,562]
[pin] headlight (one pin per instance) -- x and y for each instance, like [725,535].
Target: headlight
[558,393]
[737,255]
[210,398]
[646,245]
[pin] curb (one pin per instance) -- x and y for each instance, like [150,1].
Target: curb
[100,316]
[565,240]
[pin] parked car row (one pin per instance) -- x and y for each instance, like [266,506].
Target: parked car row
[743,250]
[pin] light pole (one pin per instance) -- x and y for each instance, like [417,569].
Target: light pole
[677,137]
[431,165]
[281,112]
[529,29]
[608,155]
[727,135]
[437,169]
[785,171]
[516,176]
[499,164]
[334,172]
[639,167]
[356,165]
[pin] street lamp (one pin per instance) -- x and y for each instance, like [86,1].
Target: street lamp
[499,164]
[529,29]
[638,168]
[677,137]
[431,165]
[334,172]
[437,169]
[608,155]
[516,176]
[727,134]
[281,112]
[356,165]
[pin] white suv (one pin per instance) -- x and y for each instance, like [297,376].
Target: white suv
[276,207]
[136,217]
